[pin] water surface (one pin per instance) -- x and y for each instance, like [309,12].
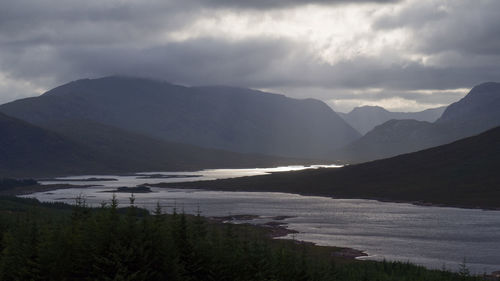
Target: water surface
[429,236]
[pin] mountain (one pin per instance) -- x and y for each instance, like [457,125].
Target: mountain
[136,152]
[463,173]
[365,118]
[84,147]
[234,119]
[392,138]
[477,112]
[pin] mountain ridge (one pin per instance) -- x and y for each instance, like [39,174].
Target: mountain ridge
[235,119]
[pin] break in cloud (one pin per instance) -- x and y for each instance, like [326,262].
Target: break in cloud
[403,55]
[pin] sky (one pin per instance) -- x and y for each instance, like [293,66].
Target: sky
[402,55]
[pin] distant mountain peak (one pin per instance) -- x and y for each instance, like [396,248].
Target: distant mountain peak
[401,123]
[368,108]
[486,85]
[484,89]
[122,77]
[482,100]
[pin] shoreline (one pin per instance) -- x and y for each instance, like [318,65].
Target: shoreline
[385,200]
[27,190]
[17,191]
[276,229]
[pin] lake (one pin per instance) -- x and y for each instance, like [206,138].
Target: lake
[435,237]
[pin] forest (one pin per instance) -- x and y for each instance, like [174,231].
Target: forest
[55,241]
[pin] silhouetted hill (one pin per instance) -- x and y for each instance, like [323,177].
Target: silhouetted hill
[475,113]
[84,147]
[365,118]
[25,148]
[392,138]
[227,118]
[132,151]
[463,173]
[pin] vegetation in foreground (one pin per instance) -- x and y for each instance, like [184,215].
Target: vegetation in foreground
[58,242]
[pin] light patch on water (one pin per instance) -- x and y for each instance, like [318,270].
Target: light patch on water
[133,180]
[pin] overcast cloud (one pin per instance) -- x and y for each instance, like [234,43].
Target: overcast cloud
[403,55]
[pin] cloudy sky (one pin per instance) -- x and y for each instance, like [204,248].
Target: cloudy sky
[403,55]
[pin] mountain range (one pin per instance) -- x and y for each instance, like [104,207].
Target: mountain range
[365,118]
[123,124]
[477,112]
[233,119]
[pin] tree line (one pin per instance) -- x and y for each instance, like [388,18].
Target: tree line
[57,242]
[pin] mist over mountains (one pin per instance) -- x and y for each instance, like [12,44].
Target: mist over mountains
[477,112]
[25,148]
[84,147]
[233,119]
[365,118]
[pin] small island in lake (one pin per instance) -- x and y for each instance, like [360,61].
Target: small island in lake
[136,189]
[161,176]
[87,179]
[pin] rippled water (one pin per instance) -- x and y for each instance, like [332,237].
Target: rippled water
[430,236]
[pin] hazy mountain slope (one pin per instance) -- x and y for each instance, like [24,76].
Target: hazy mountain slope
[26,149]
[475,113]
[365,118]
[463,173]
[135,152]
[392,138]
[218,117]
[83,147]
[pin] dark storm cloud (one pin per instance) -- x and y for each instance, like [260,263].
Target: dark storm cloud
[254,62]
[194,62]
[468,27]
[271,4]
[361,73]
[266,63]
[25,22]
